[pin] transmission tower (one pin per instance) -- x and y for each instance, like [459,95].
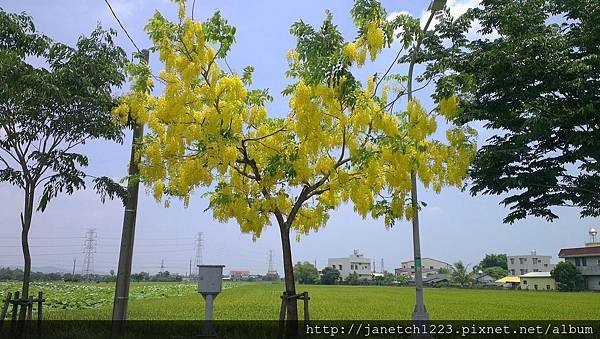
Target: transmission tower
[381,266]
[272,272]
[374,270]
[89,249]
[199,249]
[162,265]
[271,269]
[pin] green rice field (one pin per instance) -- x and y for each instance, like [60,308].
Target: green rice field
[260,301]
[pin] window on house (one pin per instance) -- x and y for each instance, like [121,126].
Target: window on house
[523,271]
[535,287]
[512,272]
[535,261]
[431,267]
[522,260]
[547,287]
[577,262]
[583,262]
[512,261]
[536,270]
[545,265]
[524,282]
[340,267]
[412,267]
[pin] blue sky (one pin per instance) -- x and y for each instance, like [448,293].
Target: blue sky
[454,225]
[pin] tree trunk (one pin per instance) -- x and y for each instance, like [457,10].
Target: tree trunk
[25,225]
[290,285]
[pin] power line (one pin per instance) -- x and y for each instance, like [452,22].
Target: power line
[122,27]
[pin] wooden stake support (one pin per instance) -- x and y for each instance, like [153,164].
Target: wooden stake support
[26,307]
[285,300]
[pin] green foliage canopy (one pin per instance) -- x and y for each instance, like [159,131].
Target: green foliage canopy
[306,273]
[567,277]
[533,79]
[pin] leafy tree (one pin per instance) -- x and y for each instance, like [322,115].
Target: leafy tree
[443,270]
[460,275]
[496,272]
[330,276]
[352,279]
[387,279]
[306,273]
[47,112]
[141,276]
[492,260]
[402,279]
[533,78]
[341,141]
[567,277]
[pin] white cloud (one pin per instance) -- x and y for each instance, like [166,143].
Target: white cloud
[125,8]
[394,15]
[458,8]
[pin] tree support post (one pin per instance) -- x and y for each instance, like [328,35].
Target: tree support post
[285,301]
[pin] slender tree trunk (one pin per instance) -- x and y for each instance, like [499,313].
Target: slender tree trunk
[25,226]
[290,285]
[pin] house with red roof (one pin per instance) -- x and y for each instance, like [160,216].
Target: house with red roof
[587,261]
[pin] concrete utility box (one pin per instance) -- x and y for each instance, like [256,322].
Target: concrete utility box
[210,279]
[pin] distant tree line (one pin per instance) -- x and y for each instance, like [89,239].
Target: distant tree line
[16,274]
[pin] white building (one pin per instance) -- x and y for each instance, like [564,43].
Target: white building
[356,262]
[428,265]
[523,264]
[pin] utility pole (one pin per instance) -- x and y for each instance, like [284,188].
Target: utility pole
[190,268]
[74,261]
[381,266]
[89,249]
[420,312]
[119,315]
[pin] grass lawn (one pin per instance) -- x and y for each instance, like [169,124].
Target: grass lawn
[261,301]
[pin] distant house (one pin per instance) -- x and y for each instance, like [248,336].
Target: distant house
[434,279]
[523,264]
[537,281]
[429,266]
[586,260]
[484,279]
[356,262]
[239,275]
[509,281]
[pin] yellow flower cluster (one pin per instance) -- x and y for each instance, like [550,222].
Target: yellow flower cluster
[448,107]
[372,43]
[204,131]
